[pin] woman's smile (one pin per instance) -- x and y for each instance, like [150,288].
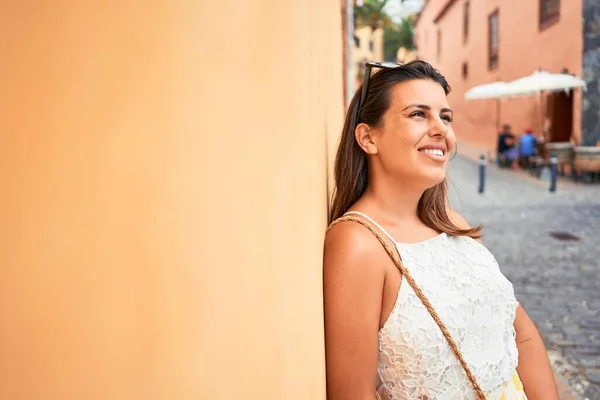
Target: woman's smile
[436,152]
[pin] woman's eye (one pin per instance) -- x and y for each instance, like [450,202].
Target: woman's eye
[447,118]
[418,114]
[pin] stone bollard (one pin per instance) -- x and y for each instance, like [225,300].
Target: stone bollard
[482,164]
[553,172]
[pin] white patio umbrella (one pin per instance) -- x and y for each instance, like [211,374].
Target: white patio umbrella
[494,90]
[542,81]
[536,83]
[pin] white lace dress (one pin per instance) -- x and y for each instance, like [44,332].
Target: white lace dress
[463,282]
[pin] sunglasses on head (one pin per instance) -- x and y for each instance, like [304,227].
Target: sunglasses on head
[369,65]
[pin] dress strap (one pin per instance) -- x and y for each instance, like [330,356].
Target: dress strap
[374,223]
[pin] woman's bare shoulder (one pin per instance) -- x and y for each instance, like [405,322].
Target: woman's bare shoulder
[351,236]
[348,244]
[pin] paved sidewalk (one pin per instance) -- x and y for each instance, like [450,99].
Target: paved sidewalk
[556,281]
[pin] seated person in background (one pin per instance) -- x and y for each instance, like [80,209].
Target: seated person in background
[507,152]
[526,147]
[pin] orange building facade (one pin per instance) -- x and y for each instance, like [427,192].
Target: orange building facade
[475,42]
[164,198]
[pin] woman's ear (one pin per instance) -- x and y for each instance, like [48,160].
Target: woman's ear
[364,135]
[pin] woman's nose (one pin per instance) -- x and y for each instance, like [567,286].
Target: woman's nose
[438,128]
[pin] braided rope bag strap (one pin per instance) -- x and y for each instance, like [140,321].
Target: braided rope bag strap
[396,259]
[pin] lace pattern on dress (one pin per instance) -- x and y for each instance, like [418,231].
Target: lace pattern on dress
[462,280]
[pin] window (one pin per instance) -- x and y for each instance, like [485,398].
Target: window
[371,45]
[466,22]
[465,70]
[549,12]
[356,41]
[439,43]
[493,40]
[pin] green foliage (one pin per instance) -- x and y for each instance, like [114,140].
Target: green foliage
[407,32]
[371,14]
[395,37]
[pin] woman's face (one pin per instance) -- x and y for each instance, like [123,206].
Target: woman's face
[415,139]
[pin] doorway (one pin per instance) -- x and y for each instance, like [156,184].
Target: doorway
[560,112]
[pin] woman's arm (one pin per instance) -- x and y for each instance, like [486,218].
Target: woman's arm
[534,366]
[353,285]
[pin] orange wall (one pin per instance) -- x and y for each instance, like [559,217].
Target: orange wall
[522,49]
[164,169]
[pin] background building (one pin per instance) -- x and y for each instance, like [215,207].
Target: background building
[475,42]
[368,46]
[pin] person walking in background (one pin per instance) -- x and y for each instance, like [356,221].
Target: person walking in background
[432,316]
[526,148]
[507,151]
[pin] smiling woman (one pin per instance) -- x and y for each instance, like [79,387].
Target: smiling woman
[409,103]
[382,338]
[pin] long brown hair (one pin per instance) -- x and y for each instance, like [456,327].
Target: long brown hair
[351,171]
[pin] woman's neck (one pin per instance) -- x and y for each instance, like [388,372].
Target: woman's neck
[397,200]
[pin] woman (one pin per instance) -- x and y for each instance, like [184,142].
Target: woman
[390,172]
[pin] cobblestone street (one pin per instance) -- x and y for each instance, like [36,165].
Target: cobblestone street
[555,280]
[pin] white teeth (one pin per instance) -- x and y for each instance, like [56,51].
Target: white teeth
[435,152]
